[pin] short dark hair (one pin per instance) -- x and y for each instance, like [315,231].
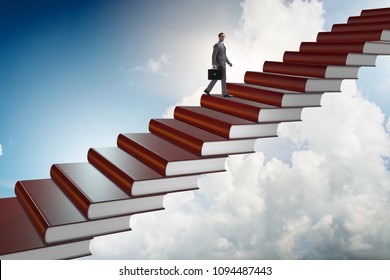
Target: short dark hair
[220,34]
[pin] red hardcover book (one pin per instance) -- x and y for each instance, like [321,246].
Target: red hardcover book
[367,19]
[359,36]
[294,83]
[95,195]
[345,47]
[20,240]
[250,110]
[167,158]
[351,27]
[198,141]
[311,70]
[228,106]
[135,177]
[376,12]
[224,125]
[56,218]
[282,98]
[343,59]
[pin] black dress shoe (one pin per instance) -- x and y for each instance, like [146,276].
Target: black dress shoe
[226,95]
[207,92]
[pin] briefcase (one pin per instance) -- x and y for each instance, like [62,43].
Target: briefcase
[215,74]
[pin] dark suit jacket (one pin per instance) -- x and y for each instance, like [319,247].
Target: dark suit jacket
[219,57]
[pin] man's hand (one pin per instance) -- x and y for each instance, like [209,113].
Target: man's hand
[230,64]
[215,66]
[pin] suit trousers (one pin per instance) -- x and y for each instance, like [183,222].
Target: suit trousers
[223,81]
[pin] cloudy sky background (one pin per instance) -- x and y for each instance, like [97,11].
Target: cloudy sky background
[75,75]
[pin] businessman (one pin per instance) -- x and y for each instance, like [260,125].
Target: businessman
[219,60]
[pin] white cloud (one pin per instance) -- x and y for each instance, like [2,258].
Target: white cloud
[157,66]
[326,198]
[192,100]
[1,150]
[267,29]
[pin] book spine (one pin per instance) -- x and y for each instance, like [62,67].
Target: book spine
[230,107]
[254,94]
[212,125]
[70,189]
[176,136]
[38,219]
[143,154]
[315,47]
[318,71]
[315,58]
[367,19]
[275,81]
[361,26]
[349,36]
[110,170]
[376,12]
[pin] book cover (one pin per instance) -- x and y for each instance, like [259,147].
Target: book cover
[367,19]
[326,48]
[198,141]
[231,107]
[350,27]
[20,239]
[56,218]
[345,59]
[311,70]
[95,195]
[375,12]
[224,125]
[280,98]
[269,113]
[294,83]
[167,158]
[135,177]
[250,110]
[357,36]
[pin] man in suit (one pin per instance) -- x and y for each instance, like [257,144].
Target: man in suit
[219,60]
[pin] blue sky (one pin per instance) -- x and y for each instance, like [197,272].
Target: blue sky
[74,74]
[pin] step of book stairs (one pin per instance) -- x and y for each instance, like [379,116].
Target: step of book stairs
[375,12]
[354,36]
[327,48]
[198,141]
[21,241]
[250,110]
[96,196]
[273,96]
[311,70]
[167,158]
[368,26]
[135,177]
[315,56]
[367,19]
[293,83]
[224,125]
[57,219]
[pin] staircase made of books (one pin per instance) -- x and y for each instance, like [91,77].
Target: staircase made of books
[56,218]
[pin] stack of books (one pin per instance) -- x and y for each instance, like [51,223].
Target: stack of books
[56,217]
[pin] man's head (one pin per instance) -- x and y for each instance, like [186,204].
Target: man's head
[221,36]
